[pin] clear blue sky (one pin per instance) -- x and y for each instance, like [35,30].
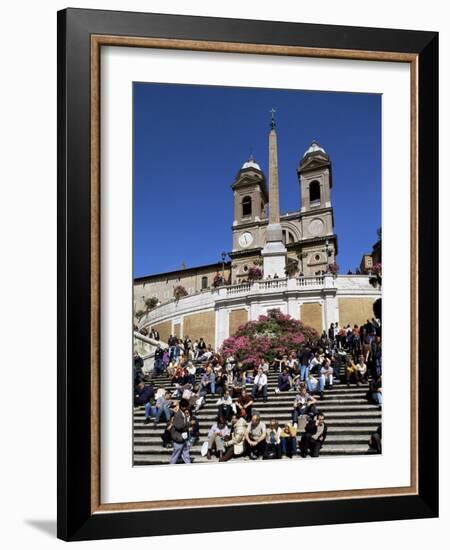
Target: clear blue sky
[190,141]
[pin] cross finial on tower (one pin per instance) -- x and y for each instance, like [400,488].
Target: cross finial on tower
[272,122]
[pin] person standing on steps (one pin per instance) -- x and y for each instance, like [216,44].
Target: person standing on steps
[180,433]
[158,365]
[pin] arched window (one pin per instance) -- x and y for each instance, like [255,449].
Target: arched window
[204,283]
[246,206]
[314,193]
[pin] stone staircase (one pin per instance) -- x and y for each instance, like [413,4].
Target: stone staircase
[349,416]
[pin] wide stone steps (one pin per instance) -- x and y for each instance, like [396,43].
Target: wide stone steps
[327,450]
[349,416]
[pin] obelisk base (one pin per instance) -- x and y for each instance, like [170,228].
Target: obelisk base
[274,252]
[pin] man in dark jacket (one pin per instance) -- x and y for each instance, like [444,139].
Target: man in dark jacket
[180,433]
[143,394]
[158,366]
[314,436]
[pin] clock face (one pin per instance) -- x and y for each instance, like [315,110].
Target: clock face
[245,239]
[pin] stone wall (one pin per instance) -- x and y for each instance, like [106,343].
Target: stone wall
[355,310]
[311,315]
[161,286]
[237,318]
[164,329]
[201,325]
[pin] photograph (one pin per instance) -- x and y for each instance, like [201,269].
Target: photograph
[257,274]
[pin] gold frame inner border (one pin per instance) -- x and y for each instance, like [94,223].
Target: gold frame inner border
[97,41]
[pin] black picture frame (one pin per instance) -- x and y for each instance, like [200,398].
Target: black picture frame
[75,518]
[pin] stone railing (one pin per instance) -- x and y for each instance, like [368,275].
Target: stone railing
[246,293]
[235,289]
[146,348]
[316,281]
[267,284]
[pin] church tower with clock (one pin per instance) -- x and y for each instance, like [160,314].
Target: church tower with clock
[307,233]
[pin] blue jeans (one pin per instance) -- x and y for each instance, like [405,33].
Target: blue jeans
[304,371]
[158,366]
[319,386]
[180,449]
[378,397]
[149,410]
[288,446]
[164,410]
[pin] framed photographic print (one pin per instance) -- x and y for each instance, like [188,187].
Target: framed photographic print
[247,274]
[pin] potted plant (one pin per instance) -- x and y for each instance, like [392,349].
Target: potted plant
[291,267]
[333,268]
[179,291]
[151,302]
[254,274]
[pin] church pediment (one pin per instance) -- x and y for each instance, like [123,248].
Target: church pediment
[313,163]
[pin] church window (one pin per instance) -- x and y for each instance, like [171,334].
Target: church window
[247,206]
[317,257]
[314,193]
[204,283]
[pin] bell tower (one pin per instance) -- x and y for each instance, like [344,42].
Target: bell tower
[250,193]
[314,174]
[319,246]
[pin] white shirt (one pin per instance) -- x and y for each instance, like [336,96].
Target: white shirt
[261,379]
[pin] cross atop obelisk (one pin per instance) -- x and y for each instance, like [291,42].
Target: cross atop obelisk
[272,122]
[274,252]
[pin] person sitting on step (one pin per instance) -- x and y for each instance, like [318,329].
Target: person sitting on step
[260,385]
[314,436]
[216,437]
[288,440]
[316,384]
[194,431]
[361,369]
[327,371]
[234,443]
[273,443]
[304,405]
[226,407]
[244,405]
[255,437]
[208,380]
[375,441]
[162,408]
[284,381]
[238,383]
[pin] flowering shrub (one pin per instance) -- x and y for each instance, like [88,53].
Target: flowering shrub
[376,269]
[263,339]
[254,274]
[333,268]
[179,291]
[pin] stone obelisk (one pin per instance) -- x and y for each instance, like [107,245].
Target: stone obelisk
[274,251]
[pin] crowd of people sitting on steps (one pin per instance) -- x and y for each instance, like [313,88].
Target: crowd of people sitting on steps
[196,371]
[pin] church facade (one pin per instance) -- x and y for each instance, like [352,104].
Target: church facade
[293,253]
[307,233]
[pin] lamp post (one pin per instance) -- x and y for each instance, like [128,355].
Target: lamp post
[224,256]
